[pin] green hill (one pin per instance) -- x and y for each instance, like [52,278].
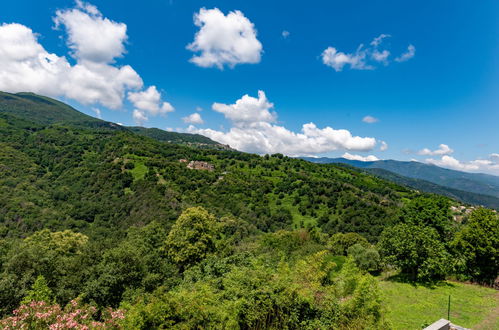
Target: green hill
[40,109]
[44,110]
[83,175]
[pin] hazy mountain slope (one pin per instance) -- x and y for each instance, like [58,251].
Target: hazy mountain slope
[426,186]
[472,182]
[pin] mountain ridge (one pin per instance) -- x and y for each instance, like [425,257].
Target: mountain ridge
[48,111]
[473,188]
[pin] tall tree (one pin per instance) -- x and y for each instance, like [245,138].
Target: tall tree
[417,250]
[477,246]
[192,237]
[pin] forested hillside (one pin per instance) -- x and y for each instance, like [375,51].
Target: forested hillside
[45,110]
[471,188]
[119,220]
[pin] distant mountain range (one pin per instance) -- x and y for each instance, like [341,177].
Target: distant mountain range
[45,110]
[472,188]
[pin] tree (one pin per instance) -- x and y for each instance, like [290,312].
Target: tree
[192,237]
[339,242]
[477,246]
[58,256]
[433,211]
[417,250]
[366,258]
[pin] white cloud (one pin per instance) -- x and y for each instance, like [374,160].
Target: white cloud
[199,109]
[224,39]
[248,110]
[97,112]
[384,146]
[494,156]
[285,34]
[337,60]
[94,41]
[194,118]
[364,58]
[478,165]
[370,119]
[91,36]
[254,130]
[379,39]
[381,56]
[148,102]
[443,149]
[410,53]
[370,158]
[139,117]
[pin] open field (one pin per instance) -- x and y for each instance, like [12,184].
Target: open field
[410,306]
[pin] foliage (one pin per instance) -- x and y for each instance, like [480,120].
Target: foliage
[429,211]
[56,256]
[417,250]
[366,258]
[477,246]
[39,292]
[192,237]
[301,295]
[340,243]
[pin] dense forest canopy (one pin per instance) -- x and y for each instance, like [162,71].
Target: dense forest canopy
[121,227]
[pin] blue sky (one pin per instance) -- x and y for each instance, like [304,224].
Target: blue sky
[444,93]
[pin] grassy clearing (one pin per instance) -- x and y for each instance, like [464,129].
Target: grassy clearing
[139,170]
[410,306]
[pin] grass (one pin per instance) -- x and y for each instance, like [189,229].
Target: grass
[410,306]
[139,170]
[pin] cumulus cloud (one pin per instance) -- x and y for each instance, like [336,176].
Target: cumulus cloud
[384,146]
[148,102]
[370,119]
[224,39]
[443,149]
[478,165]
[410,53]
[95,43]
[194,118]
[364,58]
[91,36]
[370,158]
[248,110]
[494,156]
[254,130]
